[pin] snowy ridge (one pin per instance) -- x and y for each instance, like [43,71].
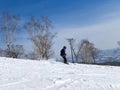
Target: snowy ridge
[52,75]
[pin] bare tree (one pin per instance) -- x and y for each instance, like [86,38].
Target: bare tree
[75,49]
[118,42]
[16,51]
[95,53]
[117,51]
[87,52]
[77,52]
[70,41]
[31,55]
[40,35]
[2,53]
[9,26]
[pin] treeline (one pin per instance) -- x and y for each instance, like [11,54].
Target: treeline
[83,51]
[41,38]
[40,34]
[38,31]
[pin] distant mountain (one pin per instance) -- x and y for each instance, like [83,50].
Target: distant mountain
[110,55]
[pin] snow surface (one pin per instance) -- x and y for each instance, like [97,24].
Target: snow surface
[52,75]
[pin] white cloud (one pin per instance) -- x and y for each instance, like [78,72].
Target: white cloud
[104,35]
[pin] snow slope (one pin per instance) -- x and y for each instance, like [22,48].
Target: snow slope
[51,75]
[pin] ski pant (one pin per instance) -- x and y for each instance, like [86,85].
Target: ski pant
[65,60]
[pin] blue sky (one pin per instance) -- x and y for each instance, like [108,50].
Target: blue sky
[63,12]
[95,20]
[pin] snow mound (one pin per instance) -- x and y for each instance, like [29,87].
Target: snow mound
[16,74]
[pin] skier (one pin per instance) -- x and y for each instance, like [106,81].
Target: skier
[63,54]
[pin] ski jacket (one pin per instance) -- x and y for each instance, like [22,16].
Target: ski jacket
[62,52]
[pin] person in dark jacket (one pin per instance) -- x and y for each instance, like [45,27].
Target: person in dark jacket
[63,54]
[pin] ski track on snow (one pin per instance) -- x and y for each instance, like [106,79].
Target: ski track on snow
[13,83]
[59,83]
